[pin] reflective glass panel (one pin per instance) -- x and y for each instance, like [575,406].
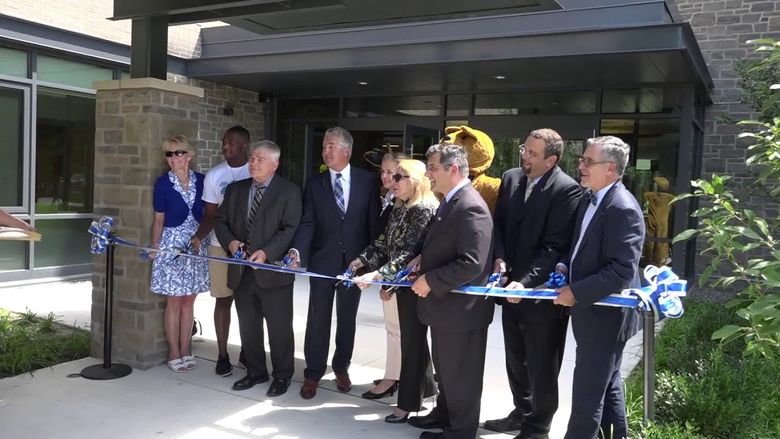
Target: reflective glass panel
[564,102]
[64,242]
[64,152]
[13,62]
[458,105]
[13,255]
[63,71]
[11,146]
[392,106]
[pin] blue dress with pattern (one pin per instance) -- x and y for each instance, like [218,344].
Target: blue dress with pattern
[182,276]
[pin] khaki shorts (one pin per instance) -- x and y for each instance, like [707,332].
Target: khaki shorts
[218,272]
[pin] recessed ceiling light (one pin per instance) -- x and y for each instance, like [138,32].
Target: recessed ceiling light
[500,77]
[362,83]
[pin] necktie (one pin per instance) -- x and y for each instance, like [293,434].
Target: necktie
[529,188]
[259,192]
[591,197]
[338,192]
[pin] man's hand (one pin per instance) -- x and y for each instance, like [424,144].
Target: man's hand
[560,267]
[259,257]
[421,287]
[385,295]
[363,281]
[295,257]
[356,264]
[234,246]
[414,266]
[514,286]
[499,266]
[195,244]
[565,297]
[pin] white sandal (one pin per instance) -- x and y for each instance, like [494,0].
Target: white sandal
[189,362]
[177,365]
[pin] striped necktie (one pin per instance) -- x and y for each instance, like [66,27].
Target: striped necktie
[338,192]
[259,192]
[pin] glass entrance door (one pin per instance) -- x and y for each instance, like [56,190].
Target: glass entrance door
[418,139]
[14,168]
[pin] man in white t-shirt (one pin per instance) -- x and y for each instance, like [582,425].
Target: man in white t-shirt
[234,147]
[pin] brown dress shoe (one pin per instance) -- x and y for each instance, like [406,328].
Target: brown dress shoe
[308,389]
[343,383]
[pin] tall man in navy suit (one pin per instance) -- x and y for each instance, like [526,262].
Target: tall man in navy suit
[456,251]
[604,259]
[340,219]
[534,220]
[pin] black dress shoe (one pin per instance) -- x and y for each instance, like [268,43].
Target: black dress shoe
[393,419]
[503,424]
[429,421]
[249,381]
[278,387]
[389,392]
[431,435]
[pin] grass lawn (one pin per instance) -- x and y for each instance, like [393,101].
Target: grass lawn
[29,342]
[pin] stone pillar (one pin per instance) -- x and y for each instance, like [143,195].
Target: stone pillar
[133,117]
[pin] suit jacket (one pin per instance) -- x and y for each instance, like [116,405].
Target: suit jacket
[532,236]
[456,252]
[273,228]
[607,261]
[325,235]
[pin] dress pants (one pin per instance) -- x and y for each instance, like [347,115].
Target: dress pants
[275,305]
[393,328]
[599,408]
[416,374]
[317,342]
[459,359]
[534,340]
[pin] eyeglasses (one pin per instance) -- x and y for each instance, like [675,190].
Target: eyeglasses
[588,162]
[177,153]
[397,177]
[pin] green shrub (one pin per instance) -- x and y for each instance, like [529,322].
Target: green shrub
[29,342]
[705,389]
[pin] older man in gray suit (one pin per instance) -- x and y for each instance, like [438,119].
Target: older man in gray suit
[260,216]
[456,252]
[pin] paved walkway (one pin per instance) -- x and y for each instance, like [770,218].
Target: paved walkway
[158,403]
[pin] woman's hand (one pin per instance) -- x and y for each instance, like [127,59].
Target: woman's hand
[365,280]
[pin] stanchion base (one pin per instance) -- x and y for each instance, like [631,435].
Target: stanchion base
[98,372]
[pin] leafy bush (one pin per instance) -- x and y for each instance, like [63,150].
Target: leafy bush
[29,342]
[705,389]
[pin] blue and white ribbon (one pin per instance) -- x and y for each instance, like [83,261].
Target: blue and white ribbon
[662,295]
[101,234]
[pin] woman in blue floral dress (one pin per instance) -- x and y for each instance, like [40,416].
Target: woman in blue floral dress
[178,210]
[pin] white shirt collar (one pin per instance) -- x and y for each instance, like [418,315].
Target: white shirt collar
[345,173]
[462,183]
[603,191]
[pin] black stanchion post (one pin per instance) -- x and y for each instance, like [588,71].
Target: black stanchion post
[107,370]
[648,334]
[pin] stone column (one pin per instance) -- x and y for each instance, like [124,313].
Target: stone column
[133,117]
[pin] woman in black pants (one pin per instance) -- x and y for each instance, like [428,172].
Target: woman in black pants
[414,208]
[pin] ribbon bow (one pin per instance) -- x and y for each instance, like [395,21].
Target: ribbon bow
[345,278]
[556,280]
[663,293]
[101,234]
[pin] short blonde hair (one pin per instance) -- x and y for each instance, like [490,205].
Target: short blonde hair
[415,169]
[180,142]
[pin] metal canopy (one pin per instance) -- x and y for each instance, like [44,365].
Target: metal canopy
[275,16]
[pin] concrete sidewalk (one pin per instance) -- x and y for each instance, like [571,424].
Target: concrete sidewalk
[57,402]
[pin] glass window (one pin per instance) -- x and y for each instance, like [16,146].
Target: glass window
[392,106]
[507,155]
[645,100]
[13,62]
[11,146]
[569,102]
[13,255]
[309,108]
[68,72]
[65,242]
[572,150]
[458,105]
[64,152]
[619,101]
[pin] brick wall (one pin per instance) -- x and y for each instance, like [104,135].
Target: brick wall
[221,108]
[722,29]
[89,17]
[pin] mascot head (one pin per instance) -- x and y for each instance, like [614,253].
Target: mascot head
[477,144]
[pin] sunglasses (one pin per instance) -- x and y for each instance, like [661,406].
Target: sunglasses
[177,153]
[397,177]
